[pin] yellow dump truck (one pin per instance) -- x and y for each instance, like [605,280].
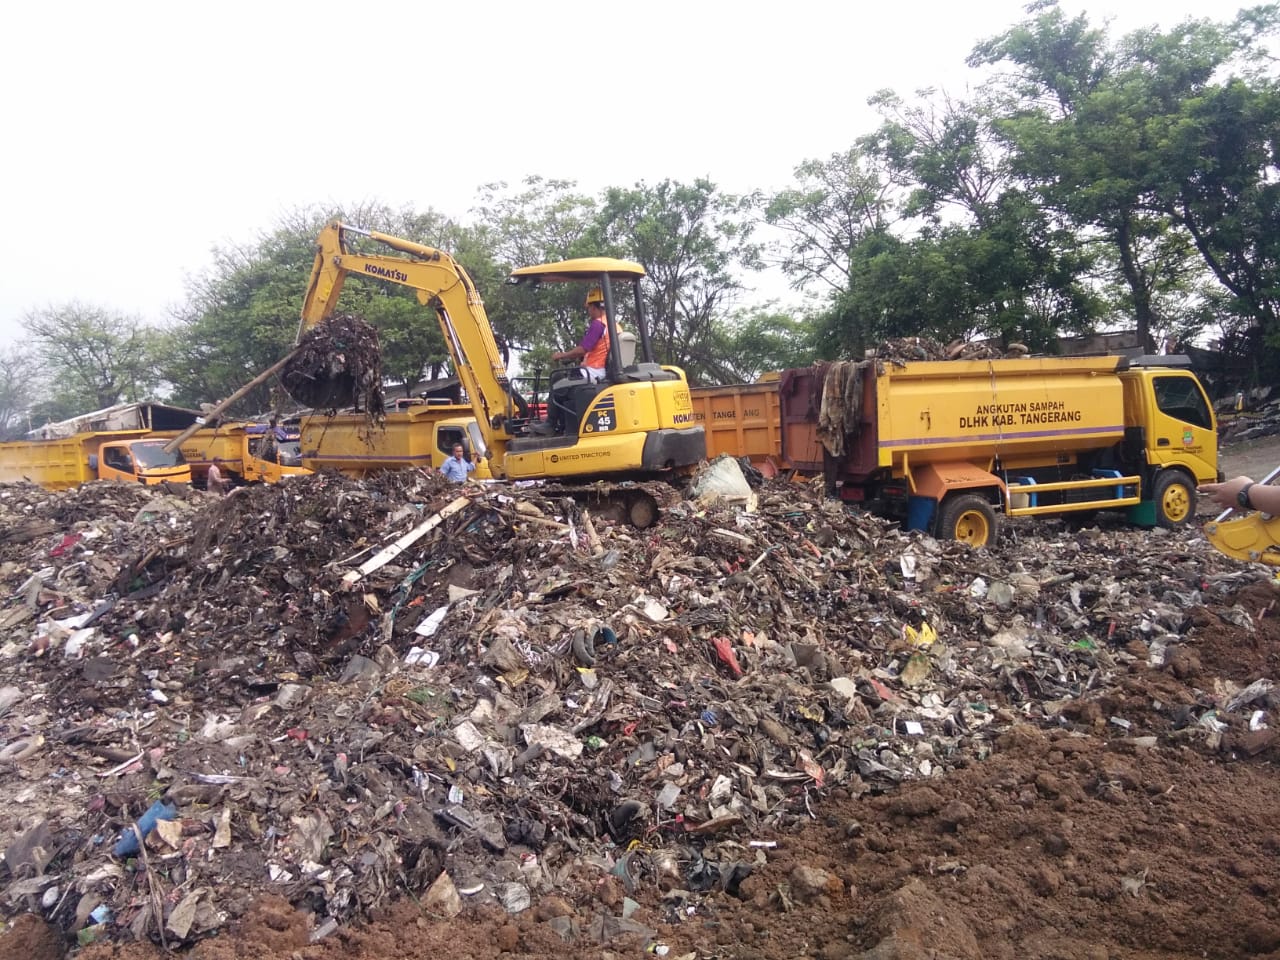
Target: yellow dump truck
[422,435]
[250,452]
[949,446]
[60,463]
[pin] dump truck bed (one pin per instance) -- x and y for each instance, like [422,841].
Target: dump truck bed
[974,410]
[741,420]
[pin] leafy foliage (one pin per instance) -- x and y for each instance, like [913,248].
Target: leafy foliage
[241,316]
[759,340]
[692,241]
[92,358]
[19,386]
[1099,133]
[542,222]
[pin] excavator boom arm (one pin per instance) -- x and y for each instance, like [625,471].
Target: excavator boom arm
[1254,537]
[442,284]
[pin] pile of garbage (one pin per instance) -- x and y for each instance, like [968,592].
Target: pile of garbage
[337,364]
[911,349]
[1248,415]
[342,692]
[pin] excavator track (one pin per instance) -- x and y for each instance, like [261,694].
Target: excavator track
[638,502]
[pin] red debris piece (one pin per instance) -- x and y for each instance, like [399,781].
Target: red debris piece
[69,541]
[724,650]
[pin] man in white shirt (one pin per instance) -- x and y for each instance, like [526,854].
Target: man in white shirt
[458,466]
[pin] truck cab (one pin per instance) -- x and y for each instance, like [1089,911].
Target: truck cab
[466,431]
[140,461]
[270,457]
[1170,420]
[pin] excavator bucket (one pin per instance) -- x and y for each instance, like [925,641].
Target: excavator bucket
[1254,537]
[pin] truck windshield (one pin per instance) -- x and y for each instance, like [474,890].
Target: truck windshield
[1182,398]
[151,455]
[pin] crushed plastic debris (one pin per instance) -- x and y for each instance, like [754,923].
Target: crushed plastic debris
[228,686]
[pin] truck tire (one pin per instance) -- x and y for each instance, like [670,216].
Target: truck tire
[1175,498]
[969,518]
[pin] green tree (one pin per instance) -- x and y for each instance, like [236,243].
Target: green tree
[759,340]
[944,150]
[20,387]
[841,226]
[1090,124]
[541,221]
[838,203]
[93,357]
[1227,197]
[692,241]
[241,315]
[995,262]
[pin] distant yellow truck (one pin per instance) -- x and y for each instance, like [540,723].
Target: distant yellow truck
[417,436]
[129,456]
[249,452]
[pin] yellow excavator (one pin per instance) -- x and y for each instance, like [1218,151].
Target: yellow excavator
[1254,537]
[636,422]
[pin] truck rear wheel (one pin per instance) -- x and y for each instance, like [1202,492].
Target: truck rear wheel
[969,518]
[1175,498]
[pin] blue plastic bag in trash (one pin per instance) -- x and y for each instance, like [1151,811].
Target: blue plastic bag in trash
[127,845]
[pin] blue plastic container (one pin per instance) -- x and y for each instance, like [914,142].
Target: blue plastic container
[920,512]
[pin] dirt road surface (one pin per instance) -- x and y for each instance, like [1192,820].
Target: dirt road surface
[1123,833]
[1254,458]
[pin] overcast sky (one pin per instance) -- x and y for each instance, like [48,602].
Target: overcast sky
[138,136]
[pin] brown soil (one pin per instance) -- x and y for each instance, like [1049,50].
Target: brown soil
[30,938]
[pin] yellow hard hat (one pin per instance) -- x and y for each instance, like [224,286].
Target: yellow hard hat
[594,295]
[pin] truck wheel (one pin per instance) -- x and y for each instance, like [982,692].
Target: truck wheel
[969,518]
[1175,498]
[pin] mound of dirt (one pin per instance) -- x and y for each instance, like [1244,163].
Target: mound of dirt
[398,717]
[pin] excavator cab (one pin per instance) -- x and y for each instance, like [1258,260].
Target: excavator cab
[571,394]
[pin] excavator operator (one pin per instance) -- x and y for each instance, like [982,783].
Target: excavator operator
[593,349]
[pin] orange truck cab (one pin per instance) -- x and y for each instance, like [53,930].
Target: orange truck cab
[60,463]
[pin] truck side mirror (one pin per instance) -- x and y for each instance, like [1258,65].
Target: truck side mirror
[93,461]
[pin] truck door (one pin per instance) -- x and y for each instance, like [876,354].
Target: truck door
[117,464]
[1182,428]
[446,437]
